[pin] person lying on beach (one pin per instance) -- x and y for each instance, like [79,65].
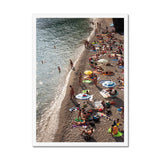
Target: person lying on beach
[109,64]
[99,69]
[113,92]
[87,132]
[108,73]
[89,77]
[119,78]
[121,82]
[79,123]
[120,62]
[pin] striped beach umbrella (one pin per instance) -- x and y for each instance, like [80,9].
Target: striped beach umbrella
[83,96]
[108,84]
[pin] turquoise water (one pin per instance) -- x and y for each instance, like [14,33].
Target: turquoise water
[67,34]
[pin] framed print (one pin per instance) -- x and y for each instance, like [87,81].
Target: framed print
[80,80]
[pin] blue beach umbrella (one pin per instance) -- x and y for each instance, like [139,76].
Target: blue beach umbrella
[109,84]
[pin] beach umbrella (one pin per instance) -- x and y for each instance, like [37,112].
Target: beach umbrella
[88,72]
[108,84]
[83,96]
[102,61]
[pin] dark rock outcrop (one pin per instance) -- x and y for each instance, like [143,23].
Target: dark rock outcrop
[119,25]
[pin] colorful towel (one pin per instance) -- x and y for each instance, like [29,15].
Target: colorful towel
[119,134]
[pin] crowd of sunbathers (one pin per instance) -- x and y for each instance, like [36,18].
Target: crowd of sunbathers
[106,43]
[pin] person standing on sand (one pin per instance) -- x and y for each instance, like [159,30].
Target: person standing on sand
[104,106]
[71,92]
[95,81]
[71,63]
[59,69]
[79,113]
[80,78]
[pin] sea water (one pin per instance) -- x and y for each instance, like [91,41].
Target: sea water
[67,35]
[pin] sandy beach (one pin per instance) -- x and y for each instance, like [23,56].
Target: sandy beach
[66,132]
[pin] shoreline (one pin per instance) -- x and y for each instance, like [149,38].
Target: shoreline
[54,111]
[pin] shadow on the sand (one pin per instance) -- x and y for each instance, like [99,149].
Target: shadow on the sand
[83,86]
[119,102]
[99,88]
[89,139]
[119,139]
[90,103]
[74,102]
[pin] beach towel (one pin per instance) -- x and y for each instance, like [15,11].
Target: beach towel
[91,98]
[104,93]
[112,103]
[87,81]
[78,120]
[83,126]
[119,134]
[101,114]
[72,109]
[114,59]
[98,104]
[109,74]
[121,67]
[96,72]
[84,91]
[119,109]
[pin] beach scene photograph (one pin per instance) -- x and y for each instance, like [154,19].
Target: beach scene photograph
[80,80]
